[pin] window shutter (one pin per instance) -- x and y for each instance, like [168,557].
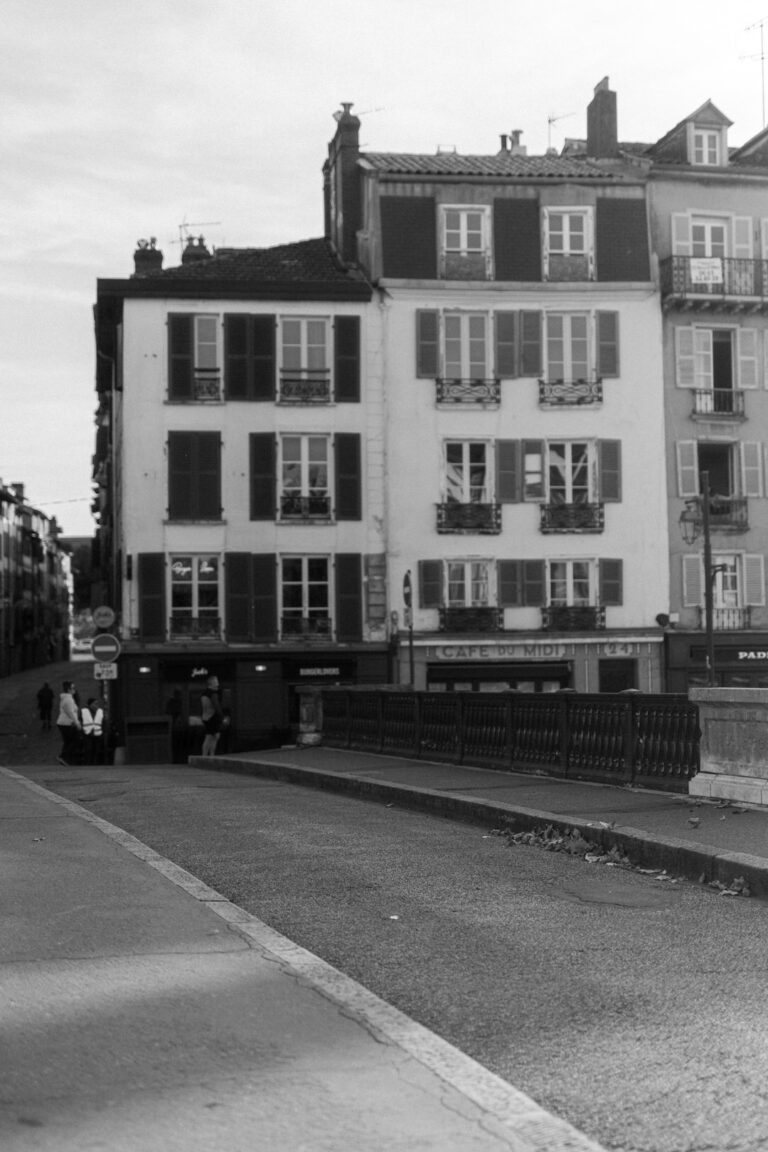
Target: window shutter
[264,335]
[349,597]
[507,471]
[530,344]
[742,237]
[509,583]
[348,476]
[747,348]
[347,359]
[151,581]
[506,344]
[611,582]
[764,238]
[238,597]
[263,476]
[264,576]
[754,580]
[681,234]
[693,583]
[607,343]
[533,450]
[517,240]
[180,356]
[621,240]
[609,465]
[534,588]
[194,476]
[430,583]
[408,237]
[208,478]
[687,468]
[685,361]
[751,469]
[427,330]
[236,358]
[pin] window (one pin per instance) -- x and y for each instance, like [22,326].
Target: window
[318,358]
[464,229]
[567,346]
[734,470]
[570,583]
[738,582]
[717,359]
[194,357]
[560,472]
[708,237]
[195,596]
[569,472]
[568,244]
[468,583]
[706,146]
[305,370]
[465,346]
[466,472]
[305,596]
[567,233]
[304,470]
[465,251]
[194,476]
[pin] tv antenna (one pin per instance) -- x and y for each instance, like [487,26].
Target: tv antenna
[553,120]
[186,226]
[761,57]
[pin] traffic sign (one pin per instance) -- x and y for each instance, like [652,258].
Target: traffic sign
[103,616]
[105,671]
[105,648]
[407,591]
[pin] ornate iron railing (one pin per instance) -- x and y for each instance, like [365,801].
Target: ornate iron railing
[206,385]
[562,393]
[468,391]
[471,518]
[296,507]
[624,738]
[572,518]
[477,619]
[573,618]
[692,276]
[727,619]
[306,386]
[186,627]
[305,627]
[718,402]
[729,513]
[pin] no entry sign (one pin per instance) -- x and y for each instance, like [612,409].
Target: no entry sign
[105,648]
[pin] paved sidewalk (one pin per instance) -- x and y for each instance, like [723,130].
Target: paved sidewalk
[143,1012]
[717,841]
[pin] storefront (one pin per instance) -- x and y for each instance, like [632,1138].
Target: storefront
[741,661]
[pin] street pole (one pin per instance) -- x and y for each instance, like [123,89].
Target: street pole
[708,578]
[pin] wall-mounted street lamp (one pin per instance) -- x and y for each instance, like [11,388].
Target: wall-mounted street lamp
[694,522]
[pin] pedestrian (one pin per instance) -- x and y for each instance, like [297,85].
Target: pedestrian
[212,715]
[68,724]
[92,717]
[45,706]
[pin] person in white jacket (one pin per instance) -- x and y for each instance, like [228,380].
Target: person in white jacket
[92,717]
[69,726]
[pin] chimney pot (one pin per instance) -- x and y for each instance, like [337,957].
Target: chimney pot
[602,129]
[147,258]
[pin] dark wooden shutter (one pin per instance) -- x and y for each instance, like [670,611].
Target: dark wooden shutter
[347,359]
[348,476]
[507,471]
[182,486]
[607,343]
[427,335]
[263,331]
[208,445]
[180,356]
[151,581]
[609,465]
[506,344]
[408,237]
[349,597]
[262,478]
[236,356]
[264,575]
[530,344]
[238,597]
[611,582]
[517,240]
[509,581]
[534,589]
[621,239]
[430,583]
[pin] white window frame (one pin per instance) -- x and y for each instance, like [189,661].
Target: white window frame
[569,337]
[467,329]
[307,347]
[302,465]
[206,344]
[746,462]
[586,250]
[569,469]
[747,573]
[461,489]
[473,577]
[196,610]
[587,568]
[465,212]
[307,611]
[694,364]
[707,146]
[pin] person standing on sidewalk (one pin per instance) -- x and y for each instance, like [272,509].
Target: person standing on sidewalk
[92,717]
[45,706]
[68,724]
[212,715]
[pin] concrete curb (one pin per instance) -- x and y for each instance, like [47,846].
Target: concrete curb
[696,862]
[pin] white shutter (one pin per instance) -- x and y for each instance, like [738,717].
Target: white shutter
[742,237]
[681,234]
[687,468]
[747,348]
[764,231]
[751,469]
[754,580]
[702,346]
[684,359]
[693,581]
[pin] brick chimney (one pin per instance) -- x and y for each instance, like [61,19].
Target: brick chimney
[147,258]
[195,251]
[343,212]
[602,123]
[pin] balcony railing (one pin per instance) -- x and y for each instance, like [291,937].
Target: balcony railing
[573,618]
[296,507]
[718,402]
[710,279]
[468,391]
[572,518]
[729,513]
[305,628]
[484,519]
[570,393]
[206,385]
[183,626]
[465,265]
[477,619]
[305,386]
[727,619]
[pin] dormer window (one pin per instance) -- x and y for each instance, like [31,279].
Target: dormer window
[707,146]
[465,243]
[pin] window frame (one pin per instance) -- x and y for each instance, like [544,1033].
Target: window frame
[566,249]
[304,373]
[306,609]
[568,340]
[464,481]
[196,611]
[464,319]
[476,572]
[305,490]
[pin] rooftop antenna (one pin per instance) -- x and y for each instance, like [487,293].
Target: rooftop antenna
[553,120]
[759,24]
[186,226]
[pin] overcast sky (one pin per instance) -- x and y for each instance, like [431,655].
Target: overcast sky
[122,119]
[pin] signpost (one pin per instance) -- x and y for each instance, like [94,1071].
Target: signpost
[103,617]
[408,601]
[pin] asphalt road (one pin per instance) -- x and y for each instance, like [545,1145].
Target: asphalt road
[636,1009]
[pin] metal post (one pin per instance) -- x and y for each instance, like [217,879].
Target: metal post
[708,579]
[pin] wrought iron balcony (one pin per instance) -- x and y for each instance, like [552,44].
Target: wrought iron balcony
[573,618]
[478,619]
[305,386]
[570,393]
[206,385]
[184,626]
[705,283]
[729,513]
[305,628]
[465,266]
[572,518]
[483,519]
[720,402]
[727,619]
[468,391]
[296,507]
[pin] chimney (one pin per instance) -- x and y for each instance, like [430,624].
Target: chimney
[18,491]
[602,130]
[147,258]
[343,209]
[516,148]
[195,251]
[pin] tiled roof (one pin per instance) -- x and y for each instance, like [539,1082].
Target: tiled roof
[505,164]
[308,261]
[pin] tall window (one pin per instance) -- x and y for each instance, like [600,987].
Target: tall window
[567,342]
[465,243]
[465,346]
[305,596]
[464,230]
[708,237]
[305,476]
[567,233]
[468,583]
[305,366]
[570,583]
[568,244]
[194,475]
[706,147]
[466,472]
[195,596]
[569,472]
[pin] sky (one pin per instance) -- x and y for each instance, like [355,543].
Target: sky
[129,119]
